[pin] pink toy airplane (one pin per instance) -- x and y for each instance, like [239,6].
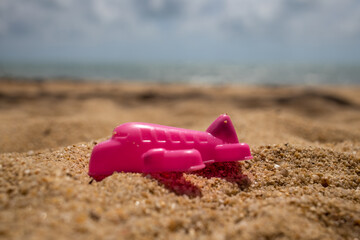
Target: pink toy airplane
[145,147]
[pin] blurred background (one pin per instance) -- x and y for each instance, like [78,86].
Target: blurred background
[205,41]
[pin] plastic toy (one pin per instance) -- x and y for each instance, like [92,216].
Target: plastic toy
[145,147]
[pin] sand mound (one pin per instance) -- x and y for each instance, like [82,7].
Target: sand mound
[285,192]
[303,182]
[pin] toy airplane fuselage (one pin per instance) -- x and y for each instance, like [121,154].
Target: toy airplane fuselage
[144,147]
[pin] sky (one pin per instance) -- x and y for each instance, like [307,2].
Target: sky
[180,30]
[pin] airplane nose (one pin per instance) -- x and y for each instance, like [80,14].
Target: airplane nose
[103,159]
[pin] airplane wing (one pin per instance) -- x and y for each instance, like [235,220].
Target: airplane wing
[162,160]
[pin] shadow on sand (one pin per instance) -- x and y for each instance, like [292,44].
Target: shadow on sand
[176,182]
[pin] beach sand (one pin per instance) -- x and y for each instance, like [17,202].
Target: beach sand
[303,182]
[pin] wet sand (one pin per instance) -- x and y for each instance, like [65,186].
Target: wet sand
[303,182]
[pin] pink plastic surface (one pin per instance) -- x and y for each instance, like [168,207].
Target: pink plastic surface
[146,147]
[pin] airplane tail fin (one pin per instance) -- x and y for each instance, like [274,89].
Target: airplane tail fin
[223,128]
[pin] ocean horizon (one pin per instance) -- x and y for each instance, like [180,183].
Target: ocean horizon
[196,73]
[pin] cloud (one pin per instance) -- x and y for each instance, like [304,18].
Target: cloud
[159,9]
[243,16]
[298,20]
[182,23]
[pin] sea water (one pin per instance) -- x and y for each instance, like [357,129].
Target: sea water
[197,73]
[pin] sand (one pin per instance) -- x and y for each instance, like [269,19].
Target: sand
[303,182]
